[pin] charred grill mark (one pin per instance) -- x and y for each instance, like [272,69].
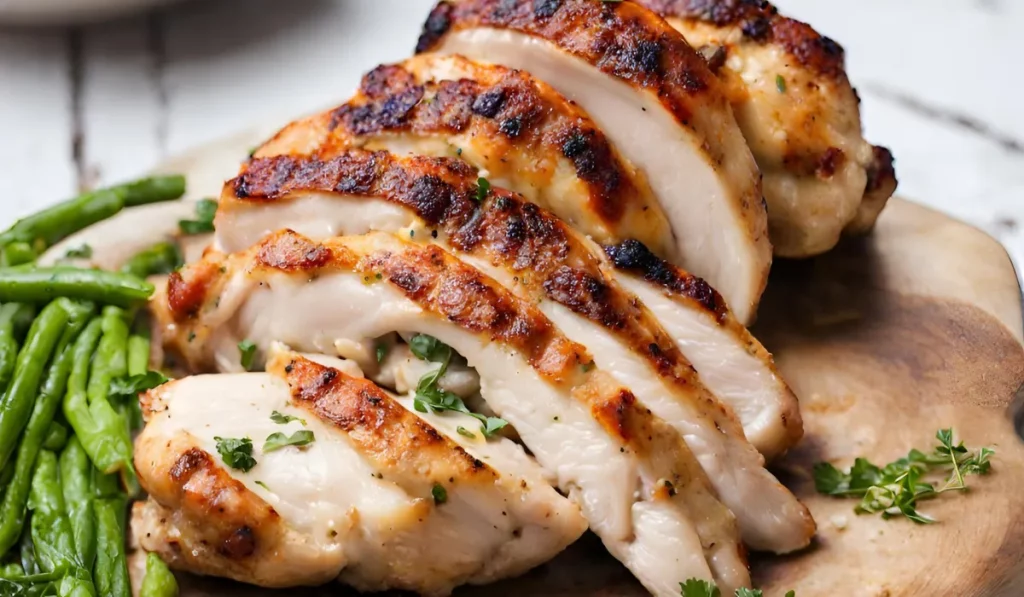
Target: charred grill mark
[613,412]
[619,413]
[808,162]
[188,464]
[438,23]
[186,297]
[881,172]
[591,154]
[619,38]
[202,488]
[511,127]
[761,22]
[489,103]
[633,256]
[421,186]
[545,8]
[239,544]
[431,197]
[395,93]
[830,161]
[502,102]
[380,427]
[441,284]
[535,244]
[587,295]
[293,253]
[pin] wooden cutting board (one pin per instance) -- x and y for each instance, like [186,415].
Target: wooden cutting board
[885,340]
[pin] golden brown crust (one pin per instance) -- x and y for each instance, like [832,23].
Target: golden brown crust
[634,257]
[761,22]
[882,172]
[237,527]
[186,298]
[392,438]
[434,280]
[681,286]
[549,258]
[444,285]
[498,104]
[422,184]
[621,38]
[881,186]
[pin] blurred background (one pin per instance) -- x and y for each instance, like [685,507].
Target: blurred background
[130,82]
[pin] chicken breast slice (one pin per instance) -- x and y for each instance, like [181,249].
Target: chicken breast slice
[658,103]
[637,483]
[368,501]
[435,200]
[519,131]
[799,114]
[538,257]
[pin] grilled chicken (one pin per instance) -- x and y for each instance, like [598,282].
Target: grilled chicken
[546,263]
[519,131]
[541,257]
[383,498]
[637,483]
[800,116]
[658,103]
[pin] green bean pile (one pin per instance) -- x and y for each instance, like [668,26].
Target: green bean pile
[74,354]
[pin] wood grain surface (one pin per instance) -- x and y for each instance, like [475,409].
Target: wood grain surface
[885,340]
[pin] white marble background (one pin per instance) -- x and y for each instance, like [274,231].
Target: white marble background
[941,85]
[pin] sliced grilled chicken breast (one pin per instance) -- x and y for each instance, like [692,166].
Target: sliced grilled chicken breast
[729,359]
[383,498]
[437,201]
[544,261]
[655,99]
[522,133]
[640,488]
[799,114]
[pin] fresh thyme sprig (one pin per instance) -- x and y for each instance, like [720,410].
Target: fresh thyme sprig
[898,487]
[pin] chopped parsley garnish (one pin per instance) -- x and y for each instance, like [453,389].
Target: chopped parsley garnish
[283,419]
[702,588]
[82,252]
[483,188]
[431,398]
[429,348]
[780,83]
[206,209]
[465,432]
[236,452]
[895,489]
[262,484]
[382,351]
[278,440]
[132,386]
[248,350]
[439,493]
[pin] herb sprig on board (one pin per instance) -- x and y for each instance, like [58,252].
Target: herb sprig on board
[702,588]
[896,488]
